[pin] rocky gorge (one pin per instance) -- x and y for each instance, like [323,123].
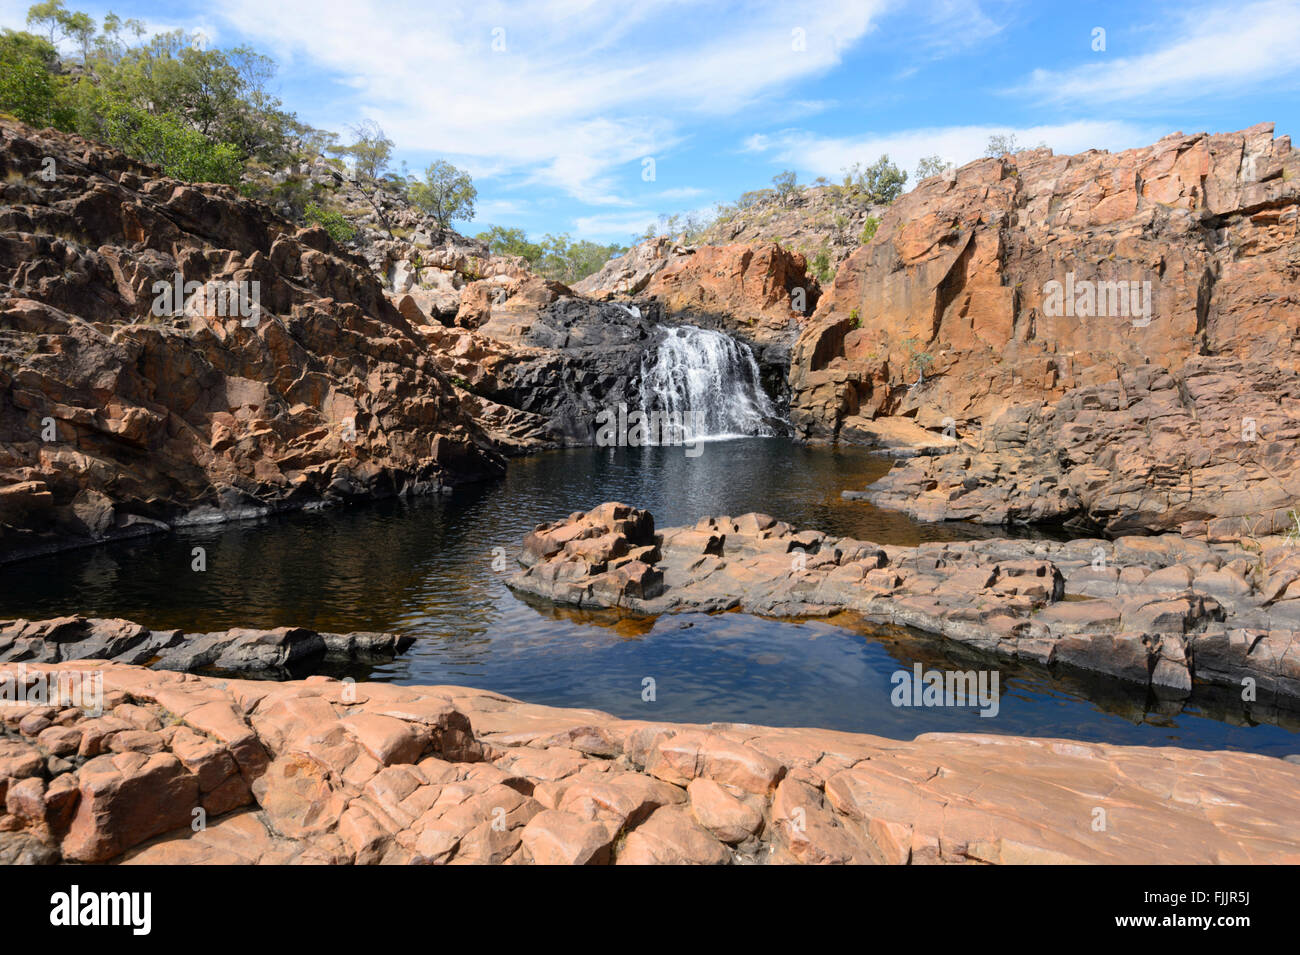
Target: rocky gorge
[416,366]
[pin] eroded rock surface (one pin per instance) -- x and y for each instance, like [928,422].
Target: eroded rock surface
[1211,451]
[1161,611]
[186,770]
[120,417]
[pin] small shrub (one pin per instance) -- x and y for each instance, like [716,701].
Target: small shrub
[821,267]
[334,223]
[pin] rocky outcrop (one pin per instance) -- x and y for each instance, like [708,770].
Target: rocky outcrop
[627,275]
[282,376]
[183,770]
[547,362]
[1211,451]
[818,221]
[268,654]
[429,276]
[759,293]
[1159,611]
[536,364]
[958,310]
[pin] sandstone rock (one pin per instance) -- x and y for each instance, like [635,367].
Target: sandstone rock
[951,296]
[1015,598]
[561,838]
[126,799]
[741,793]
[721,813]
[167,412]
[1155,450]
[671,837]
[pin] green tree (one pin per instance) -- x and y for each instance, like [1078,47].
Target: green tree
[446,193]
[370,152]
[879,183]
[200,114]
[567,261]
[28,87]
[335,223]
[48,16]
[786,183]
[1001,145]
[821,266]
[181,152]
[221,94]
[503,241]
[931,166]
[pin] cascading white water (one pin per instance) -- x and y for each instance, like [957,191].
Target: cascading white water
[710,380]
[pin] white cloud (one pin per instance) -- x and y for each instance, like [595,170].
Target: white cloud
[581,92]
[1220,49]
[486,210]
[814,155]
[615,226]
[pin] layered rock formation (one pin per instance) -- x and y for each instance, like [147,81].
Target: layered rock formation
[127,408]
[268,654]
[188,770]
[950,311]
[1159,611]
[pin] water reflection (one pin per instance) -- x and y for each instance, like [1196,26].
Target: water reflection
[426,568]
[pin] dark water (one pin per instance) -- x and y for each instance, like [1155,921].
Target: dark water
[435,569]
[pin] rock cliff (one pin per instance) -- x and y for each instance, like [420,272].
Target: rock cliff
[1186,247]
[172,352]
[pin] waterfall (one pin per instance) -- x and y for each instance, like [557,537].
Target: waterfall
[710,380]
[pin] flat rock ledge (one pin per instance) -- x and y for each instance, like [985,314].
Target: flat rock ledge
[1162,611]
[181,769]
[271,654]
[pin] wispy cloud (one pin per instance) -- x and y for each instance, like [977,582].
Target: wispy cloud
[615,226]
[827,155]
[569,93]
[1218,49]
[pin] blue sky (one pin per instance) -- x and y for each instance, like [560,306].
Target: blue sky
[555,105]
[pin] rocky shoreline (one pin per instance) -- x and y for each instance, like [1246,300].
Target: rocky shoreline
[1162,611]
[180,769]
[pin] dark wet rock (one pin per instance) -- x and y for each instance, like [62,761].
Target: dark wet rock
[272,652]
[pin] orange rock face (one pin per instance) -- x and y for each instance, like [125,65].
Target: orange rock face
[763,288]
[759,292]
[375,773]
[1018,278]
